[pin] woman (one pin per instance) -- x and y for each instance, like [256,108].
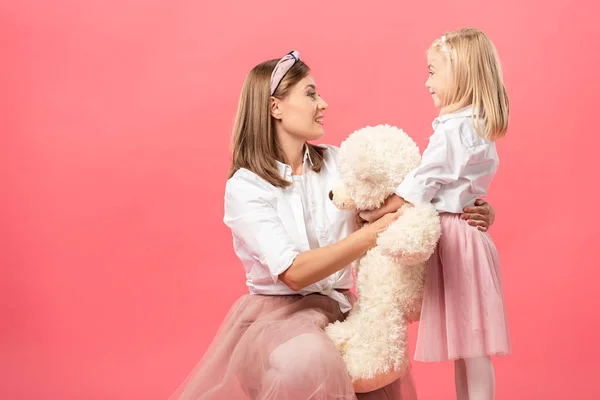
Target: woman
[296,248]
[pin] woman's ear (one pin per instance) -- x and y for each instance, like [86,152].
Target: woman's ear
[274,107]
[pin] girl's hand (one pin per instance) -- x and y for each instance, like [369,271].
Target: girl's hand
[358,220]
[390,205]
[482,215]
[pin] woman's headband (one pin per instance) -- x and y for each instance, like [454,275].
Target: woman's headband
[282,68]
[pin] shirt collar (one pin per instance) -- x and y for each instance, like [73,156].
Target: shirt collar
[286,170]
[466,112]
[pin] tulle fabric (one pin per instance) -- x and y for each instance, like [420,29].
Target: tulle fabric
[463,312]
[275,348]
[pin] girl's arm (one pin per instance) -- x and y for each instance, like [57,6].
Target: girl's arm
[442,163]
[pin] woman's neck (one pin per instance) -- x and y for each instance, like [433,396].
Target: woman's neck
[293,152]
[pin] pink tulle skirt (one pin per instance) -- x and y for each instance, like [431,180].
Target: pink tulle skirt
[274,348]
[463,311]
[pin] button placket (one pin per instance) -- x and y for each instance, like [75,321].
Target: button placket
[320,218]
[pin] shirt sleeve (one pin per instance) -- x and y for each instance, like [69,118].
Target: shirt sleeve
[254,221]
[443,162]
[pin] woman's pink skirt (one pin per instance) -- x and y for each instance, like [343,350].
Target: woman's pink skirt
[275,348]
[463,311]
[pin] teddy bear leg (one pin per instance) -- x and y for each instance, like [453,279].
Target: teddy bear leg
[378,342]
[414,281]
[340,333]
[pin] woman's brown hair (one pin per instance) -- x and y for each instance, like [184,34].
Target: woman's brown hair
[254,143]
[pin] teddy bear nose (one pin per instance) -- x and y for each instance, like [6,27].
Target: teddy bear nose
[331,195]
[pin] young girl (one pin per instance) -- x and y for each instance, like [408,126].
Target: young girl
[463,317]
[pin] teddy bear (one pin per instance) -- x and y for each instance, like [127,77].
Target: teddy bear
[390,277]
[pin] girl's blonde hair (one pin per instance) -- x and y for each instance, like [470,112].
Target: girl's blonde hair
[254,143]
[477,79]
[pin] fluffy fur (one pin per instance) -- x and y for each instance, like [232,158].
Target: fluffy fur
[390,277]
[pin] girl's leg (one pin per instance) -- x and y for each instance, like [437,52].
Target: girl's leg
[480,378]
[460,380]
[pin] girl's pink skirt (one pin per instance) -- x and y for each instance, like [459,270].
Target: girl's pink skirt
[463,312]
[274,348]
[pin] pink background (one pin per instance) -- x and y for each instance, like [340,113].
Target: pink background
[115,123]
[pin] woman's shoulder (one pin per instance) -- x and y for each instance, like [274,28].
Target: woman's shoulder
[247,184]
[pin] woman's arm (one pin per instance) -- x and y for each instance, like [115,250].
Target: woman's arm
[314,265]
[481,215]
[252,218]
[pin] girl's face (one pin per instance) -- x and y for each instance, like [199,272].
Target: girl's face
[439,82]
[301,112]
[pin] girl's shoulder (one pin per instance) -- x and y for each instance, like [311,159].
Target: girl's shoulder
[463,127]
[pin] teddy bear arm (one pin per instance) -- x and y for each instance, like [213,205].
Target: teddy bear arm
[413,237]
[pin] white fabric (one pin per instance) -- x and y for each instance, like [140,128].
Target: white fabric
[269,229]
[457,166]
[311,233]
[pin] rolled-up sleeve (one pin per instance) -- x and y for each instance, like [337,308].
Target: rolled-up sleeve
[252,218]
[443,161]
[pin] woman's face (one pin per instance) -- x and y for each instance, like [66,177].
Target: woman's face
[301,112]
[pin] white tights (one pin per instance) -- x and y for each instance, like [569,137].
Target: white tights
[474,378]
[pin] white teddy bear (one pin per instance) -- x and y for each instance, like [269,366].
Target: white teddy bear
[389,277]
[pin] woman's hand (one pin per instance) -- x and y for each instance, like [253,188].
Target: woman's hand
[482,215]
[376,227]
[390,205]
[317,264]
